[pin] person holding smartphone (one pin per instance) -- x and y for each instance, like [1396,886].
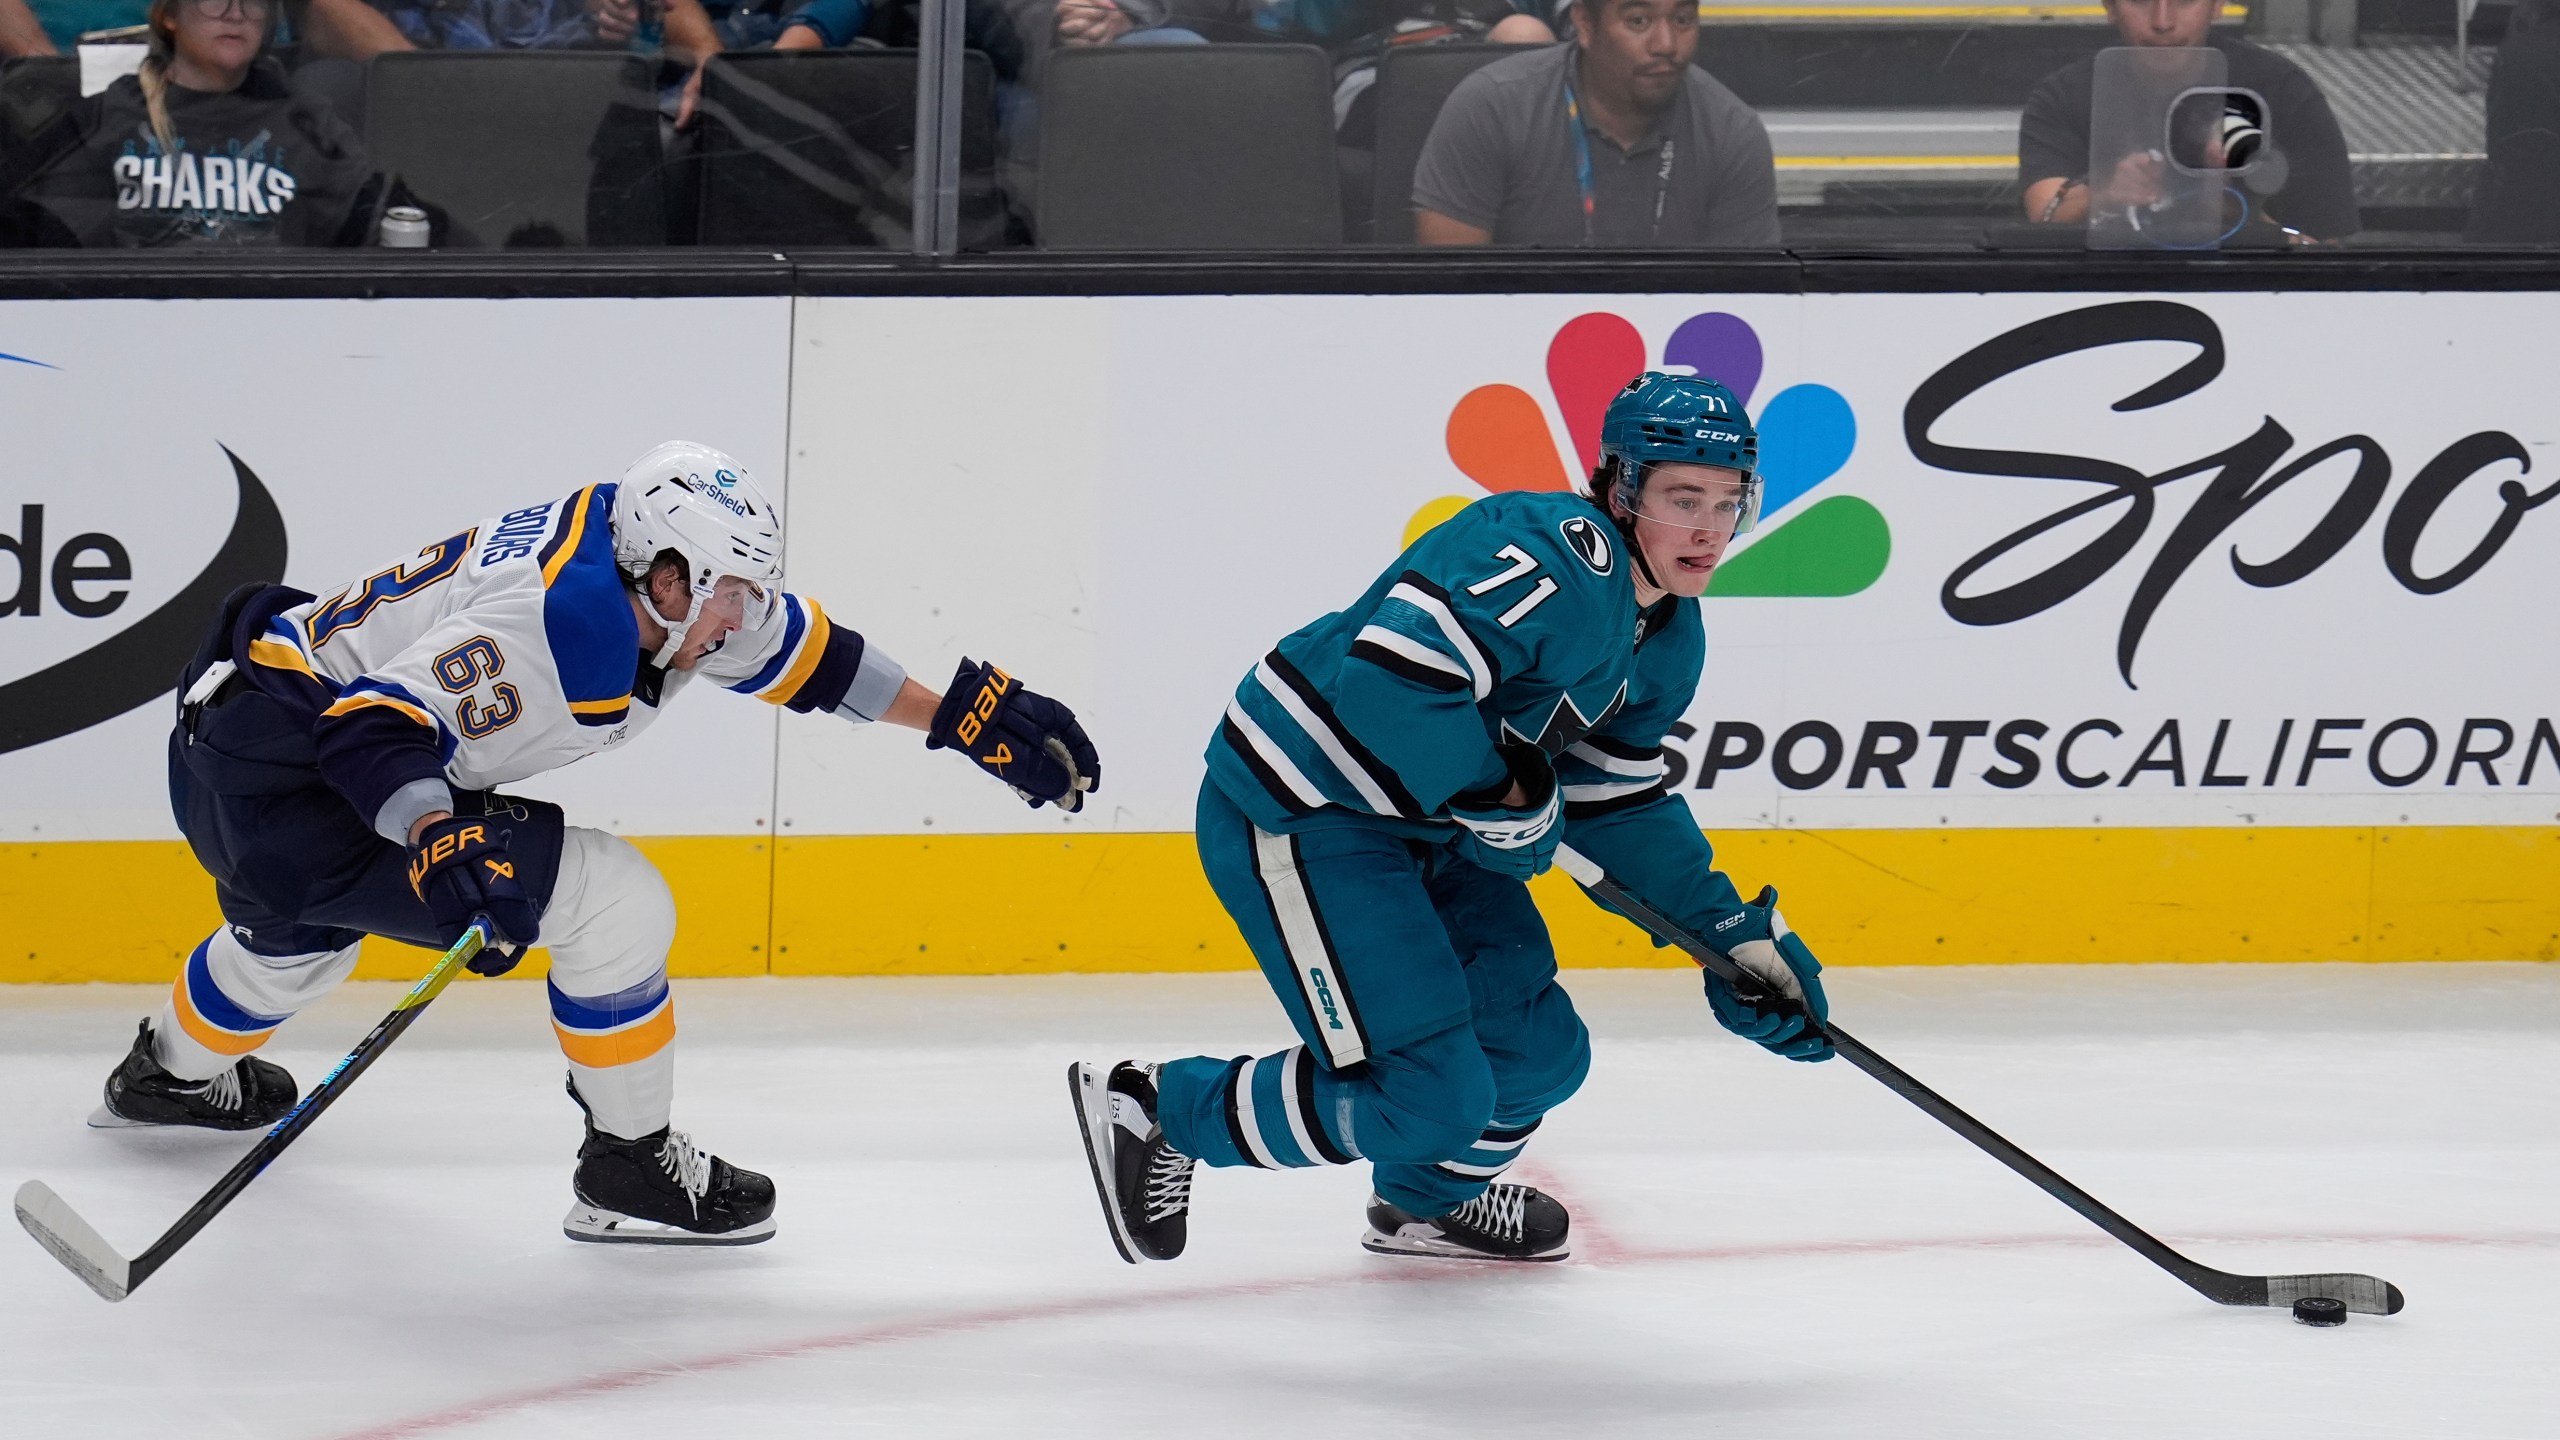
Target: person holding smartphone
[2316,196]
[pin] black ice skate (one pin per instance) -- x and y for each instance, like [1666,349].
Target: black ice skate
[252,1095]
[1506,1222]
[660,1190]
[1145,1183]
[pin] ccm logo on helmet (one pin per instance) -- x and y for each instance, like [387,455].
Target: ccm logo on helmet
[1589,544]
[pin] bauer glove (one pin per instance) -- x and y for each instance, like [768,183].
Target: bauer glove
[1515,840]
[1026,740]
[1756,939]
[459,868]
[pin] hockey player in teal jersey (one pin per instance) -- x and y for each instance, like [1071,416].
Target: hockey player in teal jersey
[1383,785]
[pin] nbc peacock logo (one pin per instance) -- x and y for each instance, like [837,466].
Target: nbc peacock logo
[1500,438]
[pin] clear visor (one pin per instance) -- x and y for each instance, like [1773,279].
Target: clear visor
[1698,498]
[734,603]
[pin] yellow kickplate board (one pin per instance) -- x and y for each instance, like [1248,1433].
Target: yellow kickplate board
[1025,904]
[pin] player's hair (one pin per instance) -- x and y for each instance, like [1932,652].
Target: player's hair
[665,561]
[1604,480]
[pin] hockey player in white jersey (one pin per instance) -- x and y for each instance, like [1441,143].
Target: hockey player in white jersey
[335,768]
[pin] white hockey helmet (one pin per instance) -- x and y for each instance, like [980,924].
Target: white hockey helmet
[704,506]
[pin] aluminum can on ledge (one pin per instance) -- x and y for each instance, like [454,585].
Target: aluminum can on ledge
[404,227]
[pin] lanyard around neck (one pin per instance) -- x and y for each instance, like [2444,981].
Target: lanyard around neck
[1582,173]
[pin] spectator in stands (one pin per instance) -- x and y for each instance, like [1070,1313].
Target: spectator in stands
[687,30]
[1352,30]
[21,33]
[2519,198]
[2318,196]
[347,29]
[205,147]
[1613,140]
[1105,22]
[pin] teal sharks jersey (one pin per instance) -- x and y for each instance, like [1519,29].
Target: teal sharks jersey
[1514,620]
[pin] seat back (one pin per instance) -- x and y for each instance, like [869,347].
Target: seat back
[520,147]
[1188,147]
[34,92]
[1414,81]
[817,147]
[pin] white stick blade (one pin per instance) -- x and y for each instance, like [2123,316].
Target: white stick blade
[85,1253]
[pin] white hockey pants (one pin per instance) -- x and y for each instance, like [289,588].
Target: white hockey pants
[609,925]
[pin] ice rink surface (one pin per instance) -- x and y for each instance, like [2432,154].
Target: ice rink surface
[1763,1248]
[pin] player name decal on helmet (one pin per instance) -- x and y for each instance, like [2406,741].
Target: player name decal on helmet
[1589,544]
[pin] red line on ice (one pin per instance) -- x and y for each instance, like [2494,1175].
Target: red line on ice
[1606,1254]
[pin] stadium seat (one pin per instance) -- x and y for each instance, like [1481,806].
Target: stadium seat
[1414,81]
[1188,147]
[33,93]
[817,147]
[521,148]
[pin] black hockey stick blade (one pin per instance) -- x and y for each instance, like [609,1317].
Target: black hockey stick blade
[80,1248]
[2361,1293]
[85,1253]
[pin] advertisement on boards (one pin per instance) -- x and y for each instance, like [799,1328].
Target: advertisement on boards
[163,452]
[2026,561]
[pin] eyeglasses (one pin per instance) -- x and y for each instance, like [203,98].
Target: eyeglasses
[224,9]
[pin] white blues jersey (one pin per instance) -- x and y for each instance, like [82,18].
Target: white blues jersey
[510,650]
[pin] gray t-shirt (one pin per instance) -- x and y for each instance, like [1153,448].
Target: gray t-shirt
[1501,158]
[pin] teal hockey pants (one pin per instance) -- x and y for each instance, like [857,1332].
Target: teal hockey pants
[1423,989]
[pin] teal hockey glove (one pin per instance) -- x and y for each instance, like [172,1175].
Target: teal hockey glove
[1756,938]
[1519,840]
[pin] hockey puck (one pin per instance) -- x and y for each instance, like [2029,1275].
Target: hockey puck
[2320,1310]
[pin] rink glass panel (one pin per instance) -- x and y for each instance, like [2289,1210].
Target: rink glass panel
[1894,127]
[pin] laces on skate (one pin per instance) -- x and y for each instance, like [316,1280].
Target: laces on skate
[687,1166]
[223,1089]
[1168,1183]
[1498,1212]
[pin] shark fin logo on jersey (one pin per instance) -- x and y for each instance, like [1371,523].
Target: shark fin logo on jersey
[1589,545]
[1565,723]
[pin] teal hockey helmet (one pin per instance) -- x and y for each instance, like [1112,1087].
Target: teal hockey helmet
[1681,419]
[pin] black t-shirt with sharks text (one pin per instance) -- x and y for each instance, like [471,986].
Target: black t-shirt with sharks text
[255,166]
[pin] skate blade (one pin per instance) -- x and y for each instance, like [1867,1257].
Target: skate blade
[103,1118]
[599,1226]
[1089,1089]
[1410,1246]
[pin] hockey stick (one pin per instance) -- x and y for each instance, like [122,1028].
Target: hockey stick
[2362,1293]
[74,1242]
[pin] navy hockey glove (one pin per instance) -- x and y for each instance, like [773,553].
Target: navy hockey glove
[1026,740]
[1757,939]
[1520,840]
[460,868]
